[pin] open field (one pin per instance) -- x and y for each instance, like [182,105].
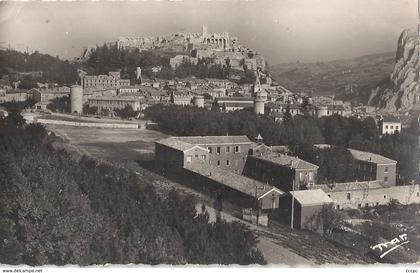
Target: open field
[111,144]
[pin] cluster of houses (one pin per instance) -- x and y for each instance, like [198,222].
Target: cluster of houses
[249,172]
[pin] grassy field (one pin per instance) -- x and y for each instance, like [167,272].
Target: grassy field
[122,145]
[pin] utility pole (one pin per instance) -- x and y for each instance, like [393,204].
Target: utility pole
[293,203]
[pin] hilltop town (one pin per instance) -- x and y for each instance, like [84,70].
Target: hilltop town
[201,112]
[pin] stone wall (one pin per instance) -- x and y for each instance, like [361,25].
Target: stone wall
[88,124]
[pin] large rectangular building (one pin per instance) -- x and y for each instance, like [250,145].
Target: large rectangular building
[372,166]
[280,170]
[225,152]
[112,80]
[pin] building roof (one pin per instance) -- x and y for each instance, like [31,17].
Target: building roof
[176,143]
[311,197]
[115,98]
[238,182]
[238,104]
[235,99]
[286,160]
[204,140]
[350,186]
[370,157]
[391,119]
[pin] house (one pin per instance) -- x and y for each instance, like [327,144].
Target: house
[238,188]
[112,103]
[181,98]
[307,204]
[228,104]
[44,95]
[112,80]
[224,152]
[390,125]
[372,166]
[280,170]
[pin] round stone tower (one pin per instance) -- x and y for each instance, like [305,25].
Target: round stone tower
[76,99]
[199,101]
[260,97]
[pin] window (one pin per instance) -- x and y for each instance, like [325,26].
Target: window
[218,163]
[377,203]
[189,158]
[227,162]
[237,150]
[210,150]
[418,194]
[227,149]
[196,156]
[348,196]
[367,205]
[392,127]
[218,150]
[384,196]
[386,179]
[386,126]
[338,206]
[203,157]
[329,195]
[386,169]
[397,127]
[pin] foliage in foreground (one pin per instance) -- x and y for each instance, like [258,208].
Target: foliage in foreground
[55,210]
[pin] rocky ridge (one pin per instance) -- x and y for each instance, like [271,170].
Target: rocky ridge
[402,93]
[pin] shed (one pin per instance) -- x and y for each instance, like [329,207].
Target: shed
[307,204]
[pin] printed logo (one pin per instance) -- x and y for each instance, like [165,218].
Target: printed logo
[394,244]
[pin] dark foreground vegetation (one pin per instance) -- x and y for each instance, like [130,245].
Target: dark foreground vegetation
[300,133]
[55,210]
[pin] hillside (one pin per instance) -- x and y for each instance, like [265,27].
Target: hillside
[58,210]
[30,68]
[346,78]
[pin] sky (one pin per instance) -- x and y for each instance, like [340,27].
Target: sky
[282,30]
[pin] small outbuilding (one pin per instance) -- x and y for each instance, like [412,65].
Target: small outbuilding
[307,205]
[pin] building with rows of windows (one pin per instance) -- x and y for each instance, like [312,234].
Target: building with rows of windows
[112,80]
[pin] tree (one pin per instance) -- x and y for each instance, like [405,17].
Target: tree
[305,106]
[126,112]
[327,219]
[89,110]
[287,116]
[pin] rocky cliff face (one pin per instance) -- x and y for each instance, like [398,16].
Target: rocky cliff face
[402,91]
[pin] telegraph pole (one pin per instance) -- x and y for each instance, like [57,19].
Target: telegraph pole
[293,203]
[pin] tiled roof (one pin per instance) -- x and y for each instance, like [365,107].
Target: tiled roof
[391,119]
[176,143]
[370,157]
[350,186]
[185,143]
[238,182]
[234,99]
[238,104]
[285,160]
[197,140]
[311,197]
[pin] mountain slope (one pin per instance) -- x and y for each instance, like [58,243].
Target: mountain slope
[347,77]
